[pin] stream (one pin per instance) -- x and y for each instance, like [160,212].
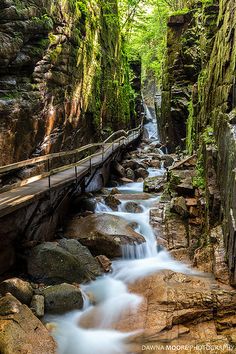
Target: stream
[107,299]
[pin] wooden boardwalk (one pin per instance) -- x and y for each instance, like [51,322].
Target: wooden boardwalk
[36,187]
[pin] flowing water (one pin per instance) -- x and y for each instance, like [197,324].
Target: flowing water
[106,299]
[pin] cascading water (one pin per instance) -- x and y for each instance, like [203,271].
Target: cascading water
[151,125]
[107,298]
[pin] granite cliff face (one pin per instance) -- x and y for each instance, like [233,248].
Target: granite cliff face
[213,127]
[63,76]
[189,43]
[198,107]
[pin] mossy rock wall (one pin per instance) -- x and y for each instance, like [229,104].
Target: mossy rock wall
[214,105]
[64,79]
[204,41]
[189,43]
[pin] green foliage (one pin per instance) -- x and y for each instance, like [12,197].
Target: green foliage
[52,39]
[79,8]
[183,11]
[202,77]
[54,53]
[208,136]
[144,25]
[44,21]
[207,2]
[199,181]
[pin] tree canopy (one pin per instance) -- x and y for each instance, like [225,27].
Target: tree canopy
[144,26]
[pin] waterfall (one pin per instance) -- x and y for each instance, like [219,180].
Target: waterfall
[108,299]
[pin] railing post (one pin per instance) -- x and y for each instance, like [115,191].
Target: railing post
[76,174]
[49,177]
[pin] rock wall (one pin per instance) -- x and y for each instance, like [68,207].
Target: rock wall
[214,126]
[63,75]
[189,42]
[211,101]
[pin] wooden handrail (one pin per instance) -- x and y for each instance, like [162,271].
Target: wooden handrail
[47,158]
[35,160]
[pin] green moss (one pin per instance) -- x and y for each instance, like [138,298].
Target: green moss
[207,2]
[199,181]
[208,136]
[180,12]
[79,8]
[11,95]
[201,82]
[54,53]
[190,129]
[52,39]
[44,21]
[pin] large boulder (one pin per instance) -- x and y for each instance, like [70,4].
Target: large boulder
[103,234]
[19,288]
[118,169]
[154,184]
[62,261]
[133,164]
[141,172]
[84,203]
[155,163]
[62,298]
[21,331]
[133,207]
[112,201]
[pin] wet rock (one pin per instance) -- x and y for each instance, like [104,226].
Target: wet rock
[112,202]
[178,205]
[62,298]
[126,180]
[118,169]
[154,184]
[203,259]
[175,236]
[113,183]
[182,182]
[168,160]
[132,207]
[130,174]
[37,305]
[136,196]
[105,263]
[62,261]
[115,191]
[84,203]
[185,163]
[21,331]
[103,234]
[155,163]
[145,134]
[19,288]
[140,179]
[186,307]
[141,172]
[133,164]
[220,266]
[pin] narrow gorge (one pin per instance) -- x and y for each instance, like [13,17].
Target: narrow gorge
[117,176]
